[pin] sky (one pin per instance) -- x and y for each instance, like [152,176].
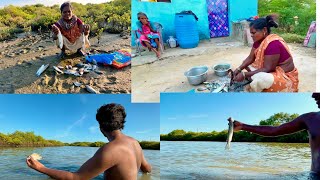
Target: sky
[71,118]
[204,112]
[46,2]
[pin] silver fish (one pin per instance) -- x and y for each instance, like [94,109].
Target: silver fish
[77,84]
[94,67]
[98,72]
[218,89]
[230,133]
[42,69]
[60,40]
[57,69]
[70,71]
[91,90]
[84,42]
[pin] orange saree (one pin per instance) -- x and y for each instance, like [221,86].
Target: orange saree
[283,82]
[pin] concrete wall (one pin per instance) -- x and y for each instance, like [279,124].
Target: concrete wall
[164,13]
[242,9]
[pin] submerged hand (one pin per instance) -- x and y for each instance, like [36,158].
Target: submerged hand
[237,126]
[34,164]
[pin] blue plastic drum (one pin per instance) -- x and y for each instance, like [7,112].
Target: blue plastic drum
[186,30]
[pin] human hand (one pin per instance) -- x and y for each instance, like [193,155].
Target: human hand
[86,29]
[34,164]
[236,72]
[55,29]
[239,77]
[237,126]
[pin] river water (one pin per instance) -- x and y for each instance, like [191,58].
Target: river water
[14,167]
[210,160]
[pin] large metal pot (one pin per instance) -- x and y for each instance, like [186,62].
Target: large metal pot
[221,69]
[197,75]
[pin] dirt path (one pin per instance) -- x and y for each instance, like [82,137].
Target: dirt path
[168,75]
[21,58]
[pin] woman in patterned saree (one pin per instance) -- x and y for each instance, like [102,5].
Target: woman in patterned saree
[73,31]
[270,65]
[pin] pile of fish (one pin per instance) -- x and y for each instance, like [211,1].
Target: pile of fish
[221,69]
[217,86]
[224,84]
[77,70]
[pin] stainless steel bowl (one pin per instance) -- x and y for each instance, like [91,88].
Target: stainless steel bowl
[221,69]
[197,75]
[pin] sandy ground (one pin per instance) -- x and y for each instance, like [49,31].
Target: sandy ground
[151,76]
[21,58]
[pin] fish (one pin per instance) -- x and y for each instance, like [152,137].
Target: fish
[70,71]
[60,40]
[84,42]
[218,89]
[202,89]
[36,156]
[81,71]
[230,133]
[94,67]
[57,69]
[98,72]
[42,69]
[91,90]
[77,84]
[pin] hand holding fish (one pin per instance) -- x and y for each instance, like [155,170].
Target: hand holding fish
[55,29]
[237,126]
[239,77]
[34,164]
[236,72]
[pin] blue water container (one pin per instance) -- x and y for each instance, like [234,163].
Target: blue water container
[186,30]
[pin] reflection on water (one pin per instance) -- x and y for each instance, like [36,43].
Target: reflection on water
[14,167]
[209,160]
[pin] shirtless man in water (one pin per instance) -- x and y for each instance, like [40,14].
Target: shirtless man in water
[121,158]
[309,121]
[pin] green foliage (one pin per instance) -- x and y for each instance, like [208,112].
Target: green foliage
[150,145]
[287,10]
[292,38]
[114,17]
[241,136]
[26,139]
[278,119]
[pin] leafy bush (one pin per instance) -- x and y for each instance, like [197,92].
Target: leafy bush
[292,38]
[26,139]
[241,136]
[113,16]
[305,10]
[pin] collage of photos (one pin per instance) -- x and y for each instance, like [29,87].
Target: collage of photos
[159,89]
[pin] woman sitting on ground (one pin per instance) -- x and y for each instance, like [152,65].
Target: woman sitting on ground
[149,37]
[270,65]
[74,31]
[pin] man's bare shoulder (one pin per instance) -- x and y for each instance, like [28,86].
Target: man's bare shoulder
[309,116]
